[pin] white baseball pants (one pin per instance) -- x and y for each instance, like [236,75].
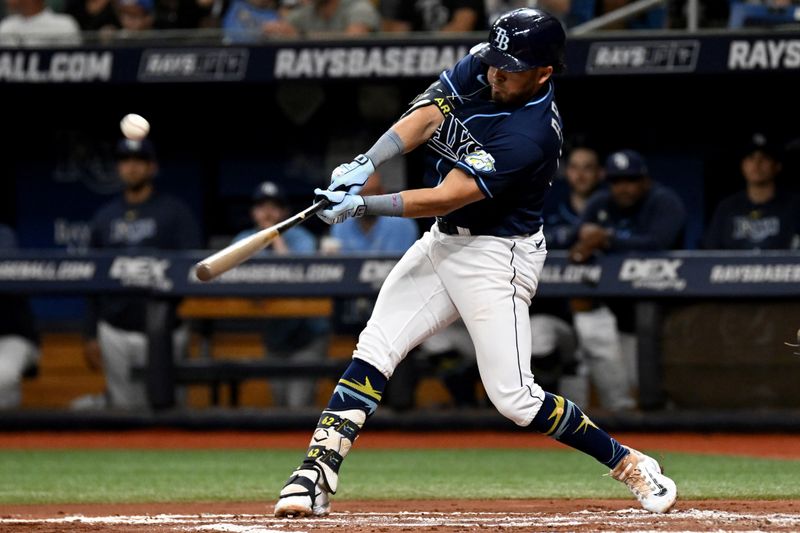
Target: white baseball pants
[299,392]
[489,282]
[17,354]
[600,340]
[122,350]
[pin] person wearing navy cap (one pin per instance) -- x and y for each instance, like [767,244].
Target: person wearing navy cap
[140,221]
[762,216]
[129,148]
[633,214]
[298,339]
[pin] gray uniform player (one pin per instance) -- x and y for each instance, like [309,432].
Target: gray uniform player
[494,137]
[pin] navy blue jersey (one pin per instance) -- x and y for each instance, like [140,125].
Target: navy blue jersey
[739,224]
[523,145]
[656,222]
[162,222]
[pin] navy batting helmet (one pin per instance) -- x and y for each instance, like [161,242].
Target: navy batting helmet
[524,39]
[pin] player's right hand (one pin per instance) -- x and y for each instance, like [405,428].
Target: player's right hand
[351,177]
[341,206]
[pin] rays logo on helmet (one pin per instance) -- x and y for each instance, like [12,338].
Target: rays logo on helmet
[501,39]
[480,160]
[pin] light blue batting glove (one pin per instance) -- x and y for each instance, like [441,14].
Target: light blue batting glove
[351,177]
[342,206]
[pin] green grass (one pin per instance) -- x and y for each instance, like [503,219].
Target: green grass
[114,476]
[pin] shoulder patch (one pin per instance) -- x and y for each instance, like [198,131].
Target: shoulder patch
[480,160]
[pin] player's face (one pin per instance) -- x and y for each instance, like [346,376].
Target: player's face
[268,213]
[626,192]
[136,173]
[134,18]
[514,88]
[583,171]
[759,168]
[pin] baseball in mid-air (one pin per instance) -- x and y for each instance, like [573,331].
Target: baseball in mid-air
[134,127]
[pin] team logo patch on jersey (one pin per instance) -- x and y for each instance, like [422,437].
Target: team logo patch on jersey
[480,160]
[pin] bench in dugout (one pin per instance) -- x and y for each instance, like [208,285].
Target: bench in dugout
[229,369]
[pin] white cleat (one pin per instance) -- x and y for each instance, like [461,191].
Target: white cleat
[642,475]
[296,500]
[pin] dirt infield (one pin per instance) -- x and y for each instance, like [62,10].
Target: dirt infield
[444,516]
[776,446]
[413,515]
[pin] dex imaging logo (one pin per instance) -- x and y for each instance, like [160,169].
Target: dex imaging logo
[501,39]
[141,272]
[653,274]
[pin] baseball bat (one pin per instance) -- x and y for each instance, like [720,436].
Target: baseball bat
[240,251]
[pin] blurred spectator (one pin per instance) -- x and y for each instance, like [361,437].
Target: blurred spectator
[136,15]
[327,17]
[296,339]
[763,13]
[93,15]
[495,8]
[142,220]
[182,14]
[634,214]
[762,216]
[567,198]
[31,23]
[433,15]
[19,340]
[558,8]
[244,19]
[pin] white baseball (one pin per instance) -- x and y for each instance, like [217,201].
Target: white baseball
[134,127]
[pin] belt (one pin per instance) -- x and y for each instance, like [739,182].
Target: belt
[451,229]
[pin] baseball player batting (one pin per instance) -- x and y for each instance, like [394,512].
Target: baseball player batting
[493,136]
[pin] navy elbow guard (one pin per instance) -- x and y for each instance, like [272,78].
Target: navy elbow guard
[436,95]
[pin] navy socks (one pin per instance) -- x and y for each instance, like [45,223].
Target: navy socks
[360,387]
[564,421]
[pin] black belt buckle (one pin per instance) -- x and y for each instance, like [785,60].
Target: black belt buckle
[446,227]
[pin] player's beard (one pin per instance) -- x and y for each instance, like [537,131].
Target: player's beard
[505,99]
[138,186]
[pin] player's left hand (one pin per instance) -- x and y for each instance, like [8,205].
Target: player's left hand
[352,176]
[342,206]
[594,235]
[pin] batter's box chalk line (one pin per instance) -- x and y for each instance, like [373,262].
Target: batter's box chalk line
[625,519]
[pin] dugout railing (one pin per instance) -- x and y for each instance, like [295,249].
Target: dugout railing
[653,281]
